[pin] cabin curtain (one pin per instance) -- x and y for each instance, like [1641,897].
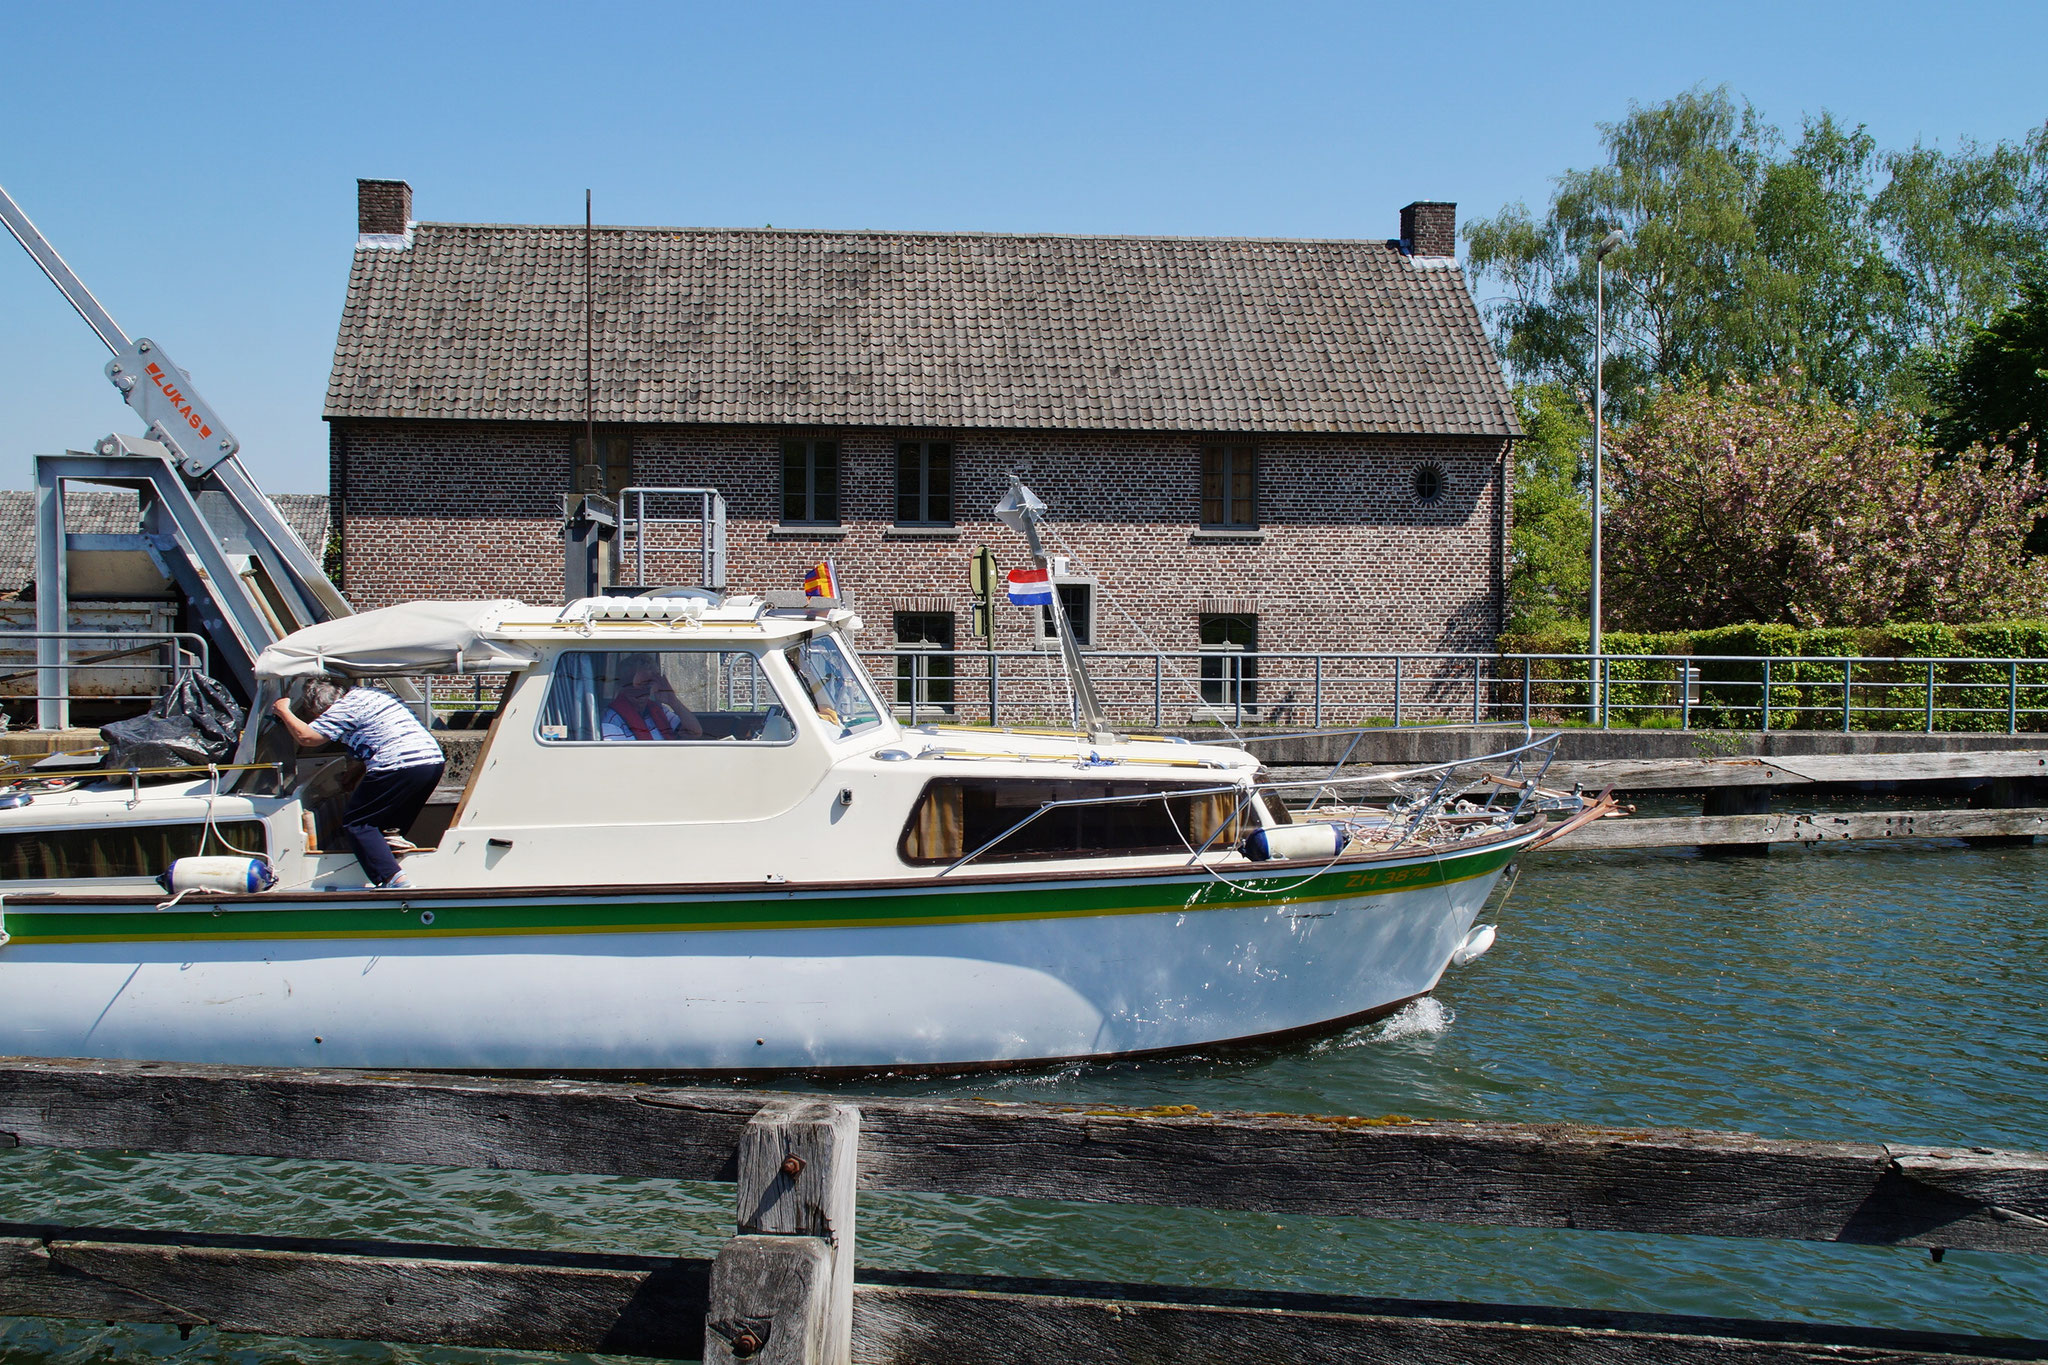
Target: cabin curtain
[1209,814]
[937,834]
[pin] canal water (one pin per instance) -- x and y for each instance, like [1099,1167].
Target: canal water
[1864,992]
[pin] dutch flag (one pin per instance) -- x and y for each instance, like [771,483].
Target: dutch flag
[1030,587]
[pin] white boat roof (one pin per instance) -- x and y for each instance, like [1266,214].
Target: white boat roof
[414,637]
[502,635]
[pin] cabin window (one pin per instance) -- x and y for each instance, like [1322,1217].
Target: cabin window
[661,696]
[834,684]
[956,816]
[120,850]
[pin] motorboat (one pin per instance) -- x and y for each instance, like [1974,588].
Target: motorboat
[806,885]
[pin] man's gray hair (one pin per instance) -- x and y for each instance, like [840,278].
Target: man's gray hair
[317,695]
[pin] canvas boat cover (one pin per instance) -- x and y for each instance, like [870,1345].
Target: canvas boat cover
[415,637]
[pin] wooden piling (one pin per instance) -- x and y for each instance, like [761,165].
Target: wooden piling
[782,1290]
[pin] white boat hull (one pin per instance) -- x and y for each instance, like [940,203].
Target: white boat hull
[959,993]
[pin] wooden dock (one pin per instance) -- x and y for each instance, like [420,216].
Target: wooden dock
[785,1290]
[1750,803]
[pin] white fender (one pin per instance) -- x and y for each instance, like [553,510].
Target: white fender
[240,876]
[1475,945]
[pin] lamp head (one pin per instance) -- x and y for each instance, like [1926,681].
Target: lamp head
[1608,244]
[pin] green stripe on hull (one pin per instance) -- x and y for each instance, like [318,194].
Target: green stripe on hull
[932,904]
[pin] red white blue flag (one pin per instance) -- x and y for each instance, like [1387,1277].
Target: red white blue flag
[1030,587]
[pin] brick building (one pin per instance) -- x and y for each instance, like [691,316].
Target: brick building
[1280,445]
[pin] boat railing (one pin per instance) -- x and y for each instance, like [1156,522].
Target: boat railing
[1411,814]
[1236,689]
[780,1283]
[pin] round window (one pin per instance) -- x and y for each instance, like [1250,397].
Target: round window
[1429,481]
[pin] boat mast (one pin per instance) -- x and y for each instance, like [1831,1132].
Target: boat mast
[1021,511]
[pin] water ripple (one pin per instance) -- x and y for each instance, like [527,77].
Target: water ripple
[1869,993]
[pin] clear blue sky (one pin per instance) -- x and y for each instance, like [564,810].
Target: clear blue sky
[197,163]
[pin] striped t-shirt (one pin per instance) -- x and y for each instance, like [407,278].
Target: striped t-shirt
[377,728]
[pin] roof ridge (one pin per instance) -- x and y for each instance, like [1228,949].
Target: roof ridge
[936,233]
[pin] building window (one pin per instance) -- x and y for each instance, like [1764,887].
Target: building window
[810,483]
[1077,599]
[924,483]
[1429,482]
[924,659]
[610,469]
[1230,662]
[1230,482]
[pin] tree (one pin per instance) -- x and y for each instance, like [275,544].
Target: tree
[1680,181]
[1995,391]
[1550,555]
[1839,304]
[1966,228]
[1745,260]
[1769,502]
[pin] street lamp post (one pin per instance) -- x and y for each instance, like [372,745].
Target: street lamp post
[1600,254]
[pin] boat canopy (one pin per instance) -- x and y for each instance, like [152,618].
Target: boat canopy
[415,637]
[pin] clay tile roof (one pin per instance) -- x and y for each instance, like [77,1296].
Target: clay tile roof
[955,330]
[115,512]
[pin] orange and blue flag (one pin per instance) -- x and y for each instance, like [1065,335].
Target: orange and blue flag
[821,581]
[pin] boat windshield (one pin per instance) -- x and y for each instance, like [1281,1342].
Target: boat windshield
[833,684]
[661,696]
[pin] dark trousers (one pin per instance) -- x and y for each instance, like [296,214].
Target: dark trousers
[386,800]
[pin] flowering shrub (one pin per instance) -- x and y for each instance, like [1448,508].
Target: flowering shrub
[1760,503]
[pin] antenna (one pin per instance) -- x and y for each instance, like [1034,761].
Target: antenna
[589,342]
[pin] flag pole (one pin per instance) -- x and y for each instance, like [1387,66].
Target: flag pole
[1020,510]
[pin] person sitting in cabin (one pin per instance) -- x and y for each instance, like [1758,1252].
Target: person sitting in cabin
[646,707]
[402,764]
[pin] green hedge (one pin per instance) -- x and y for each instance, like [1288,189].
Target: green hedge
[1883,695]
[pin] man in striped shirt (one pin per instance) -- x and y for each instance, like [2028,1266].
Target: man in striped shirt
[402,764]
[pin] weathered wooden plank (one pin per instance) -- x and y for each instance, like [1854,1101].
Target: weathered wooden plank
[412,1118]
[1635,1180]
[517,1300]
[359,1291]
[926,1324]
[1695,774]
[1912,767]
[769,1300]
[1648,1181]
[1669,774]
[782,1304]
[1785,827]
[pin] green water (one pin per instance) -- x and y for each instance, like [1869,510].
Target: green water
[1851,992]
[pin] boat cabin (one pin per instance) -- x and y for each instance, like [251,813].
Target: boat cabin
[652,741]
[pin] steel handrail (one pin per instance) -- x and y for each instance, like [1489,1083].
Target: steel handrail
[1253,789]
[1489,680]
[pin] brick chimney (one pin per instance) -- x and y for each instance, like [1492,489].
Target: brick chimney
[384,208]
[1429,229]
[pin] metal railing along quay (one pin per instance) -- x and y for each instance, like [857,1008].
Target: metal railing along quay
[129,667]
[1165,688]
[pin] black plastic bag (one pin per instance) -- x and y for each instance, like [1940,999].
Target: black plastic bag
[194,723]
